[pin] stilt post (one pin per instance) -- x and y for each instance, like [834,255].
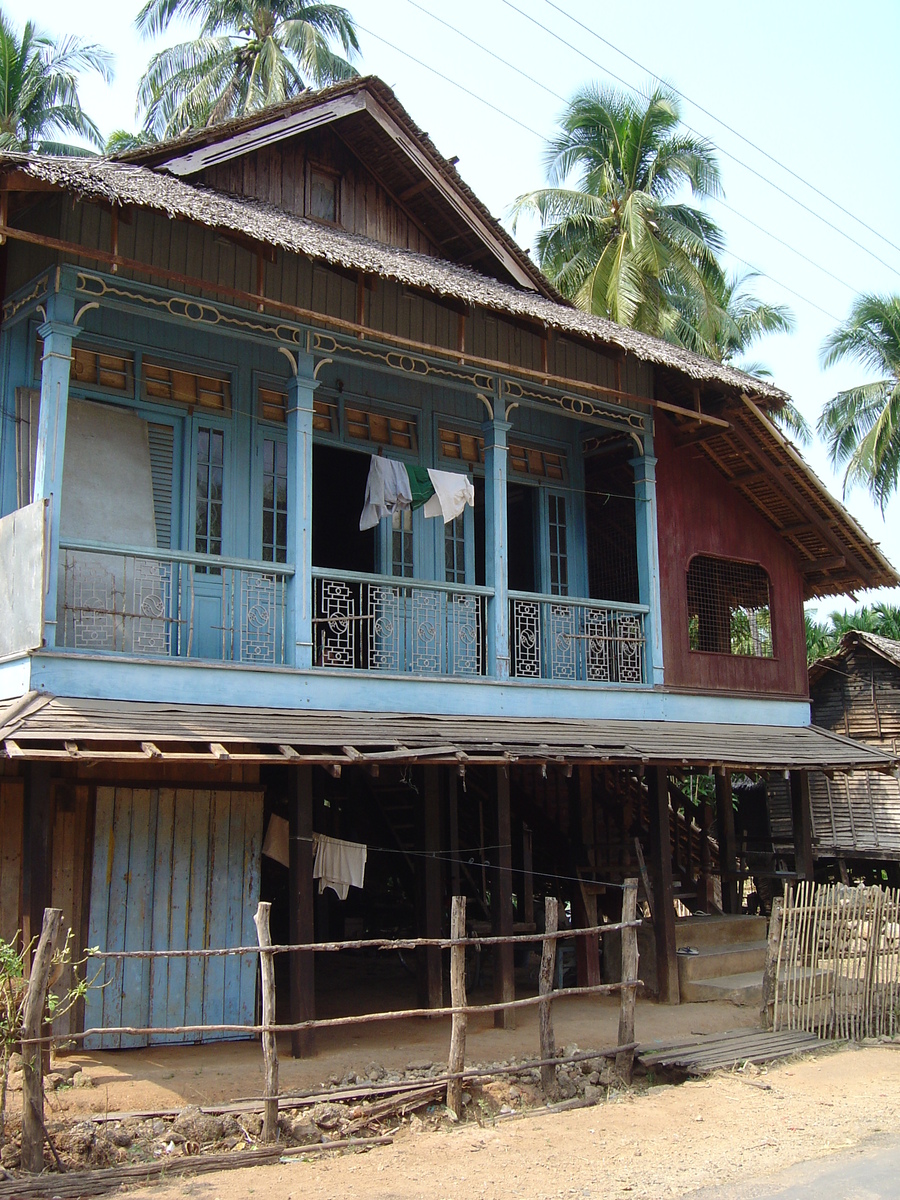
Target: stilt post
[663,892]
[727,841]
[501,907]
[630,956]
[301,921]
[802,824]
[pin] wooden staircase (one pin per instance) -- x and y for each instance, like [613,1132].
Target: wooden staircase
[729,959]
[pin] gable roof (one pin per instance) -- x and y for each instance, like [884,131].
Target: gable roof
[374,125]
[885,648]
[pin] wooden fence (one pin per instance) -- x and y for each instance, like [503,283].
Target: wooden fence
[834,961]
[459,1009]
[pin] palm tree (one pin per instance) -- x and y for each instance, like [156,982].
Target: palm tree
[861,426]
[613,237]
[248,54]
[39,89]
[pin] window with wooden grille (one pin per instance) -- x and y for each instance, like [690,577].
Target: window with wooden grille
[534,461]
[729,609]
[174,385]
[272,406]
[323,195]
[96,368]
[363,425]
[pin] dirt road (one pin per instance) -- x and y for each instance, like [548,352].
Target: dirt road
[670,1141]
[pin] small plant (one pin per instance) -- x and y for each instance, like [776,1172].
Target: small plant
[13,992]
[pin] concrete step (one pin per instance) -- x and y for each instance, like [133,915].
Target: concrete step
[719,931]
[711,962]
[744,988]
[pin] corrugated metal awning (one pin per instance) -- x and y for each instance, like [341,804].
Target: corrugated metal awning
[42,726]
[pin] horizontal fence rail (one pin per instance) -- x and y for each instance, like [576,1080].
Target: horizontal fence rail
[582,641]
[394,626]
[837,968]
[172,604]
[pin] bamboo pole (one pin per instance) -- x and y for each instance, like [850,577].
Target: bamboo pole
[630,955]
[457,1059]
[33,1131]
[548,962]
[270,1048]
[770,974]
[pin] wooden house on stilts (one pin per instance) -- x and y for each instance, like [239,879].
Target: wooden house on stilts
[324,519]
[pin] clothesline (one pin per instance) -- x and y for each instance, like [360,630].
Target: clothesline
[394,486]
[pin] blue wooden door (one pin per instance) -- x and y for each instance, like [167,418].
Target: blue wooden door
[174,869]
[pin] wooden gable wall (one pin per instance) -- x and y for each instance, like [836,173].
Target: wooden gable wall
[860,698]
[277,174]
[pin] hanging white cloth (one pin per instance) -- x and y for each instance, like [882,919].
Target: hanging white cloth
[339,865]
[452,492]
[387,490]
[276,842]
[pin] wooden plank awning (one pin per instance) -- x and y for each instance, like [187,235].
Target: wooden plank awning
[40,726]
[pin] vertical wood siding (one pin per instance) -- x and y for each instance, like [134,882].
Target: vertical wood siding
[174,868]
[700,514]
[12,812]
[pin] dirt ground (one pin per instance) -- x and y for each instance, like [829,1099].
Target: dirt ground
[668,1141]
[655,1141]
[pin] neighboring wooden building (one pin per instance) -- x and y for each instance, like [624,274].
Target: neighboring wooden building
[856,692]
[206,348]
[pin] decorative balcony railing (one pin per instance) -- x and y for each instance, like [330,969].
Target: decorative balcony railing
[581,641]
[164,603]
[398,626]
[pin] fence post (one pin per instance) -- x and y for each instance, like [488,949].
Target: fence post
[269,1046]
[460,1020]
[32,1059]
[548,962]
[770,974]
[625,1058]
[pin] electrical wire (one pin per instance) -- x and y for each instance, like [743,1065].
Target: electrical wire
[759,175]
[529,129]
[747,141]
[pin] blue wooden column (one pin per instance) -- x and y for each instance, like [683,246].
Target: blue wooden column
[58,332]
[648,557]
[496,545]
[299,640]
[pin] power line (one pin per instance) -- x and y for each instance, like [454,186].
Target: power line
[748,141]
[529,129]
[759,175]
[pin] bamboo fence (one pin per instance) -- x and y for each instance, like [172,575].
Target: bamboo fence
[837,970]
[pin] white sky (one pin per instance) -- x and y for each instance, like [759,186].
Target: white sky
[806,81]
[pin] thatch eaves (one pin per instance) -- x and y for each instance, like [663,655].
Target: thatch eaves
[111,182]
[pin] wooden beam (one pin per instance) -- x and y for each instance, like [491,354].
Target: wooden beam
[501,903]
[428,958]
[801,821]
[301,909]
[727,841]
[38,849]
[663,891]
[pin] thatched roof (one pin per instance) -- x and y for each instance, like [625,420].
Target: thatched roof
[100,179]
[886,648]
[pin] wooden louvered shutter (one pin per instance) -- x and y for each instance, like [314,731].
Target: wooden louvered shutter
[162,443]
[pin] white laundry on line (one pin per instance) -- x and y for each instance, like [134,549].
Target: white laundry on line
[339,865]
[387,491]
[452,492]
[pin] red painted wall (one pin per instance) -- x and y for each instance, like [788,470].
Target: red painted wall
[700,513]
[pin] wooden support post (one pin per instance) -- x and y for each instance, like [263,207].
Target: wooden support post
[453,817]
[587,949]
[460,1021]
[802,823]
[270,1048]
[430,973]
[528,876]
[38,846]
[501,906]
[727,841]
[301,917]
[630,956]
[705,881]
[770,974]
[33,1075]
[663,892]
[545,985]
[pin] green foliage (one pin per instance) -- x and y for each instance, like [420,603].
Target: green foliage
[614,239]
[823,637]
[861,425]
[247,55]
[39,89]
